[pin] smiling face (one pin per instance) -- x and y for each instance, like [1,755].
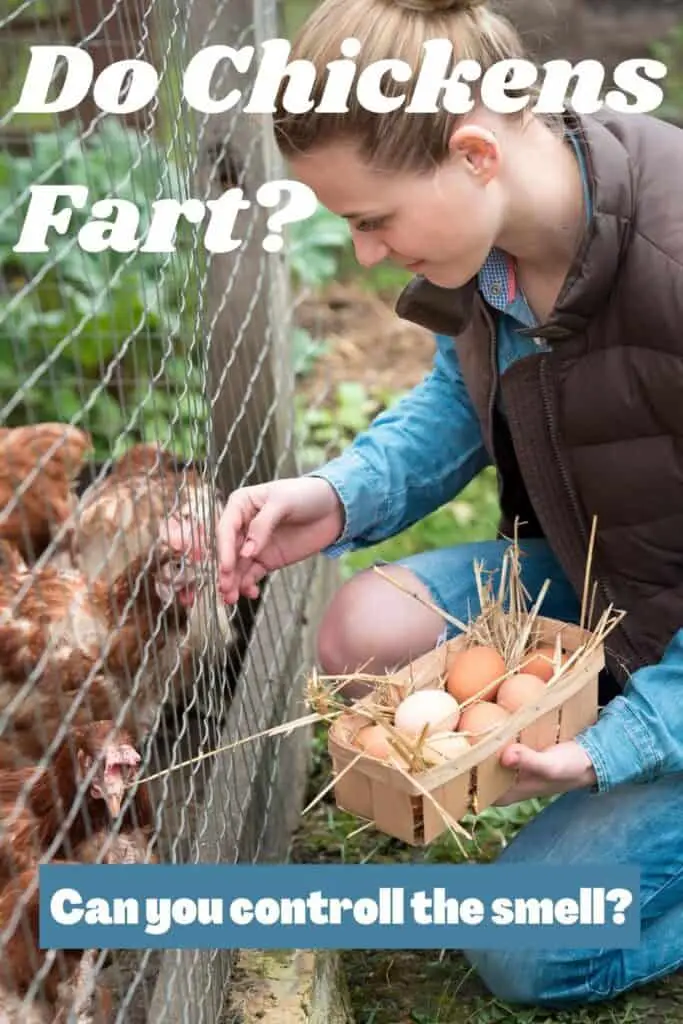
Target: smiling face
[441,224]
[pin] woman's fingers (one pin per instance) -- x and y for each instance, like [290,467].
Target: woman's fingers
[245,530]
[237,515]
[185,537]
[243,582]
[260,530]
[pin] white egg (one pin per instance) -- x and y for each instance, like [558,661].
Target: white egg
[445,746]
[435,709]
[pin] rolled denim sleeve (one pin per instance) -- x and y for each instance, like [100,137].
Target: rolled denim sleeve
[639,734]
[412,459]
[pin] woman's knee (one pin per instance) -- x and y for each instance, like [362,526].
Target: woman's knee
[342,637]
[537,977]
[509,977]
[370,625]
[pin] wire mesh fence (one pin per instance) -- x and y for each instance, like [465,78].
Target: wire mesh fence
[136,388]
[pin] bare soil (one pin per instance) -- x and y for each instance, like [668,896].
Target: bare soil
[368,343]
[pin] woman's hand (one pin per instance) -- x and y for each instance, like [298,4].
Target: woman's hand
[264,528]
[557,769]
[269,526]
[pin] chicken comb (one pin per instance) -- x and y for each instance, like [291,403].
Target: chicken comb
[118,755]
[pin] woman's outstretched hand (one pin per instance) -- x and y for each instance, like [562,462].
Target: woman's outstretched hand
[269,526]
[264,528]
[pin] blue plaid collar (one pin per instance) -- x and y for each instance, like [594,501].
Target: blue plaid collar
[497,281]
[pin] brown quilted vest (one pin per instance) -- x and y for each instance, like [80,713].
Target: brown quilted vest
[596,424]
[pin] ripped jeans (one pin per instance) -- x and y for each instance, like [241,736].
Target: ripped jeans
[638,824]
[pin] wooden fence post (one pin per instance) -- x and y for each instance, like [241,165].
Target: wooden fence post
[253,798]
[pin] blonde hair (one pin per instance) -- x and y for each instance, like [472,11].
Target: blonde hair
[393,141]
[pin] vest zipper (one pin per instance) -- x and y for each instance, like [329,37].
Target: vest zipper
[496,380]
[602,586]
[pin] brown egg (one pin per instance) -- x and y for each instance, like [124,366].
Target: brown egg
[541,662]
[472,670]
[520,689]
[480,717]
[374,740]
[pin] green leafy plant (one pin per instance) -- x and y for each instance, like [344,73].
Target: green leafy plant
[669,50]
[316,247]
[324,431]
[102,339]
[306,351]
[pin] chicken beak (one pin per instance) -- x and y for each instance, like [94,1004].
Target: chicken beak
[114,804]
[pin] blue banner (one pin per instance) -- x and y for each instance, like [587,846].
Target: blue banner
[309,906]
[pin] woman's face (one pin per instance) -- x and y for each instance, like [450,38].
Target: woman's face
[441,224]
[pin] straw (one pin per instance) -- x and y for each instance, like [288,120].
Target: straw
[589,561]
[512,631]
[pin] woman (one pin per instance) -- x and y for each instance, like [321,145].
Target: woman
[548,261]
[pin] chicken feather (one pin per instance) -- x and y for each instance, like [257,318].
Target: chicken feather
[119,518]
[39,465]
[68,984]
[45,812]
[48,817]
[70,645]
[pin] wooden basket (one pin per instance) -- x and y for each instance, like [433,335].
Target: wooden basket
[379,793]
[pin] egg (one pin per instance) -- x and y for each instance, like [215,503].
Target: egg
[444,746]
[472,670]
[374,740]
[541,662]
[520,689]
[435,709]
[480,717]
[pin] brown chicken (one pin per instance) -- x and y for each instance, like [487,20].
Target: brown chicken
[68,645]
[39,465]
[46,814]
[68,984]
[34,807]
[121,515]
[142,457]
[118,520]
[10,559]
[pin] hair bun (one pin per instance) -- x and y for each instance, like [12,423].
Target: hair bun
[432,6]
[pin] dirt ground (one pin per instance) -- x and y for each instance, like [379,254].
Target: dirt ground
[368,343]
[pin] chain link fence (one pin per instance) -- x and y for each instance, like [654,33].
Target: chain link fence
[137,386]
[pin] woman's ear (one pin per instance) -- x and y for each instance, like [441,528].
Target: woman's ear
[478,148]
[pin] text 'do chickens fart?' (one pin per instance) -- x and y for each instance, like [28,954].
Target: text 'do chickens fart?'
[126,86]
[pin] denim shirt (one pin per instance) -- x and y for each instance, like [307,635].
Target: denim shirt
[421,453]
